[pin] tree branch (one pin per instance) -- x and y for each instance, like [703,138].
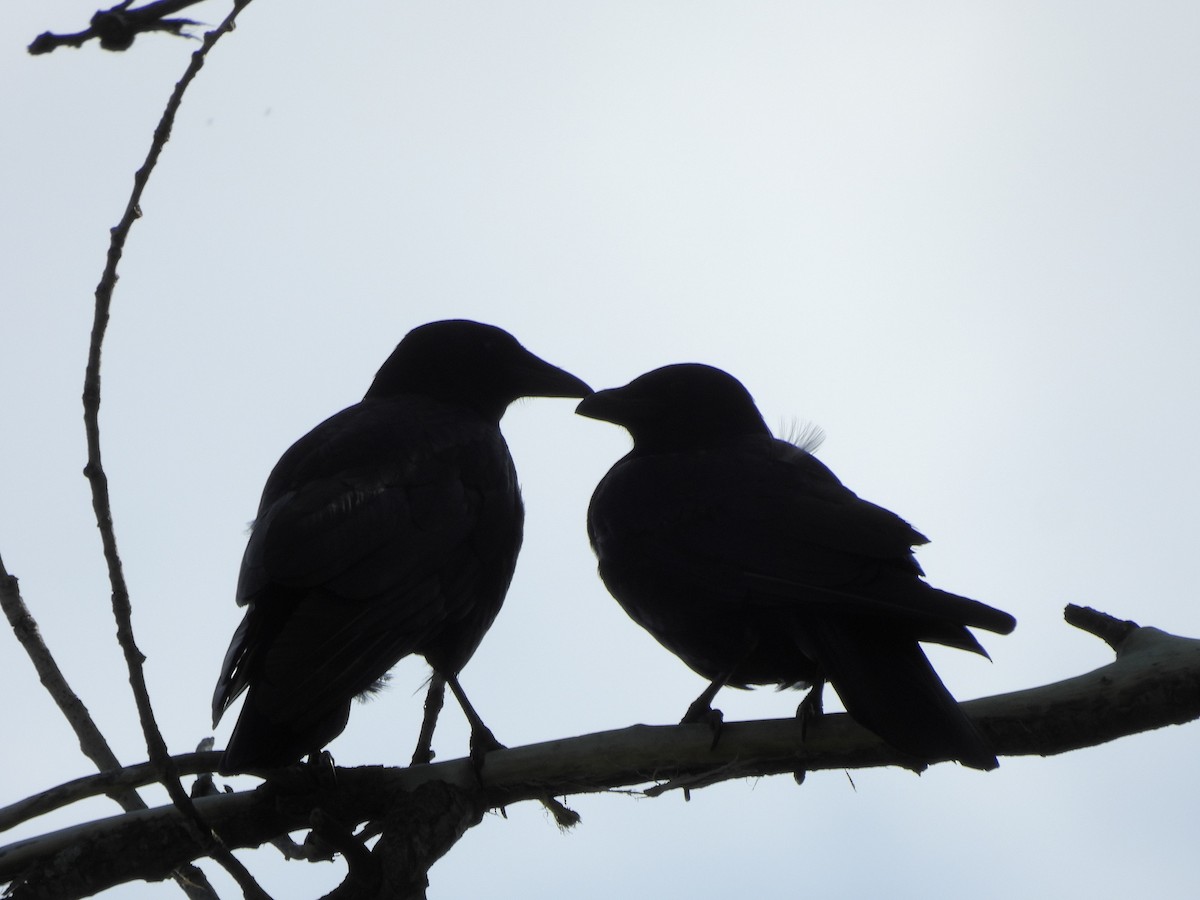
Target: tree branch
[1109,629]
[91,741]
[1154,682]
[98,480]
[114,780]
[117,27]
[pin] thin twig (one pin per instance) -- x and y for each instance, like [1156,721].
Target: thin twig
[91,741]
[122,610]
[25,627]
[117,27]
[113,782]
[1109,629]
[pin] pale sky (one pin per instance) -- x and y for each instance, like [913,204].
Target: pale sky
[961,238]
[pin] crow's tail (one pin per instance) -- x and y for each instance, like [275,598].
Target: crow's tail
[887,685]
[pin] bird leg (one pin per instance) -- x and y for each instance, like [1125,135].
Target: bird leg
[321,768]
[483,741]
[812,707]
[701,711]
[433,706]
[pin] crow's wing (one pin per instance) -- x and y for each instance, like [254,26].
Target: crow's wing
[765,522]
[379,528]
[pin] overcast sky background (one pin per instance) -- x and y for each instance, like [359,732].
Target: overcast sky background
[961,238]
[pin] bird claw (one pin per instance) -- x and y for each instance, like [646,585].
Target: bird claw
[703,714]
[434,699]
[483,742]
[322,769]
[422,756]
[811,708]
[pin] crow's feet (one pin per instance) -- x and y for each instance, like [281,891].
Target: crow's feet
[483,742]
[320,767]
[434,699]
[811,708]
[700,713]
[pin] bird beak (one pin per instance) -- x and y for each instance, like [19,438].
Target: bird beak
[540,379]
[611,405]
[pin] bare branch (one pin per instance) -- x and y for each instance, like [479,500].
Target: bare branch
[25,627]
[1154,682]
[1109,629]
[112,781]
[117,27]
[94,470]
[91,741]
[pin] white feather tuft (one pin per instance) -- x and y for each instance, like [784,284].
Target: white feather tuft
[808,436]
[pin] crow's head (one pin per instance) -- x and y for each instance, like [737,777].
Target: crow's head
[679,407]
[470,364]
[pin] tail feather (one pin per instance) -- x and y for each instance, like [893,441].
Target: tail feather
[887,685]
[261,741]
[232,680]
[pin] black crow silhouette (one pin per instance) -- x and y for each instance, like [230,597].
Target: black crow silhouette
[391,528]
[748,559]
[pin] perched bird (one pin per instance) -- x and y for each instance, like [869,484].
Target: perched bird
[391,528]
[748,559]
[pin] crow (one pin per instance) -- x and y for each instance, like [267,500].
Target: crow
[748,559]
[391,528]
